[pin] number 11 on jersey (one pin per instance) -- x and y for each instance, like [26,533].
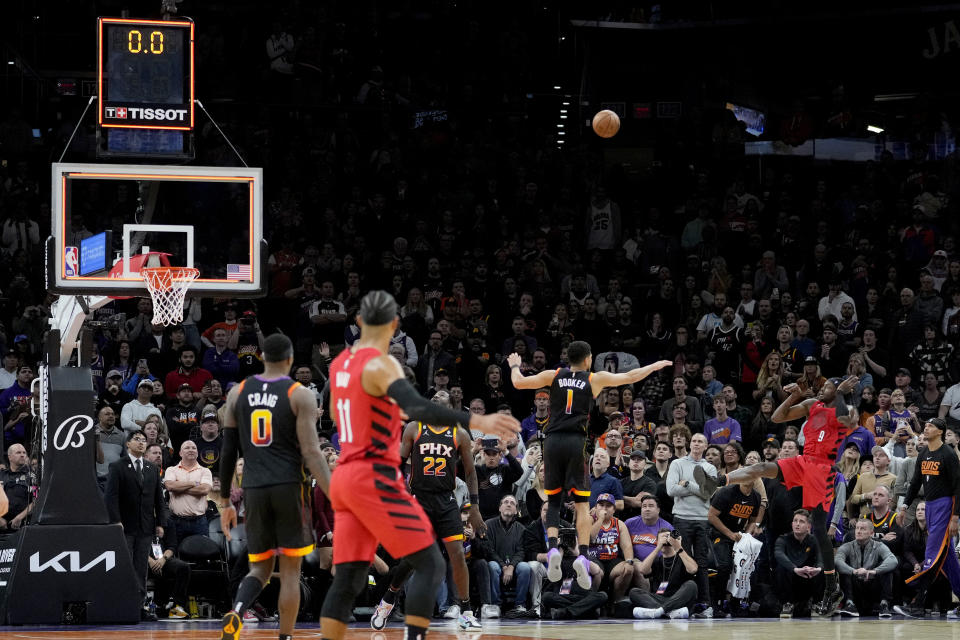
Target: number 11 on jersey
[343,420]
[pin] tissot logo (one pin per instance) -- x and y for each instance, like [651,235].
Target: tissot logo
[109,112]
[107,558]
[122,113]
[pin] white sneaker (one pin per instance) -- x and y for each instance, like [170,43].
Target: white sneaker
[582,566]
[554,573]
[490,611]
[679,614]
[644,613]
[452,612]
[380,615]
[468,622]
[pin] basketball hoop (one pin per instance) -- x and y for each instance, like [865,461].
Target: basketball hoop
[168,287]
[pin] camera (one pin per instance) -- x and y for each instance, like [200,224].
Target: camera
[567,538]
[675,534]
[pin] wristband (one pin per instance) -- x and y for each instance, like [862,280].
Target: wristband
[514,366]
[474,499]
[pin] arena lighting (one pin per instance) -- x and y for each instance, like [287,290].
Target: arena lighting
[556,87]
[561,133]
[563,117]
[566,104]
[874,129]
[563,110]
[559,126]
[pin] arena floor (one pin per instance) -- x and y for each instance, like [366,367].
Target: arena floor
[762,629]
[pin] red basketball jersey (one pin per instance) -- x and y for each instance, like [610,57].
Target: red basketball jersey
[823,433]
[369,427]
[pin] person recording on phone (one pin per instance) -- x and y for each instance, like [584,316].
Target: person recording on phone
[673,586]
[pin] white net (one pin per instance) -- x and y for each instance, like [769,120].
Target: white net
[168,287]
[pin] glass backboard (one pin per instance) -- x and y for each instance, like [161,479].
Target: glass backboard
[105,217]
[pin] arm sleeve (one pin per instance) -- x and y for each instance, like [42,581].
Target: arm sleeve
[228,460]
[422,410]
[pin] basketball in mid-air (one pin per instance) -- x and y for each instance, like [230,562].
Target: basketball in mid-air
[606,123]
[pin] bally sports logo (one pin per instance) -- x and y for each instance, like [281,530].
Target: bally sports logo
[145,113]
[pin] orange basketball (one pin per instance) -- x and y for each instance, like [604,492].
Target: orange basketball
[606,123]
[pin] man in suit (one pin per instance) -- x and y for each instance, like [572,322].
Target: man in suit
[135,500]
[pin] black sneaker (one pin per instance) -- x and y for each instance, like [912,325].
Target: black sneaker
[884,611]
[787,610]
[707,484]
[830,604]
[910,611]
[801,610]
[849,609]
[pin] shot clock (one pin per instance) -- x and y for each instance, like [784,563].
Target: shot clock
[145,74]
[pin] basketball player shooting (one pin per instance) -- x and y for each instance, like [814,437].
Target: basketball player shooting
[829,419]
[572,393]
[371,503]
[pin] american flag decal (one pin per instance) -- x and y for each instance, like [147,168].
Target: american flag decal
[238,272]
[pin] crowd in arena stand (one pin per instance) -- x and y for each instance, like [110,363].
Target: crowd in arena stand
[495,242]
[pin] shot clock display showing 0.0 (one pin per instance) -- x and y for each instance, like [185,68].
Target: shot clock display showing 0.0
[146,73]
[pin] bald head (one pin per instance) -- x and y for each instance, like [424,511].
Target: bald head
[17,455]
[188,452]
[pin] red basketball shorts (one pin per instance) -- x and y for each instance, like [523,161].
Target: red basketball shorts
[372,507]
[814,475]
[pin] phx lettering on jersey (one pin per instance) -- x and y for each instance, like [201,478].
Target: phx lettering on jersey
[436,449]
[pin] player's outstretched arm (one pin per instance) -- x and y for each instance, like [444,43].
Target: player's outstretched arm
[304,405]
[790,409]
[604,379]
[383,376]
[520,381]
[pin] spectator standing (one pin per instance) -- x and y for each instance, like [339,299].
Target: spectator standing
[188,484]
[134,413]
[496,474]
[19,483]
[15,408]
[220,361]
[721,429]
[134,499]
[691,481]
[188,373]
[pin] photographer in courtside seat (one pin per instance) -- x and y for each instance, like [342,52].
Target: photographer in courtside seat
[673,571]
[565,599]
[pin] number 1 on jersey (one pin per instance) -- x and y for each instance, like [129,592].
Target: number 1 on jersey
[343,413]
[569,408]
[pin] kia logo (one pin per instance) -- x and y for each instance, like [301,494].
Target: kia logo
[70,432]
[108,559]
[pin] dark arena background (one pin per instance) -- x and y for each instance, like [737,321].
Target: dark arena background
[774,216]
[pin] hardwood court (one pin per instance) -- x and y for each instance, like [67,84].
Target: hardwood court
[836,629]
